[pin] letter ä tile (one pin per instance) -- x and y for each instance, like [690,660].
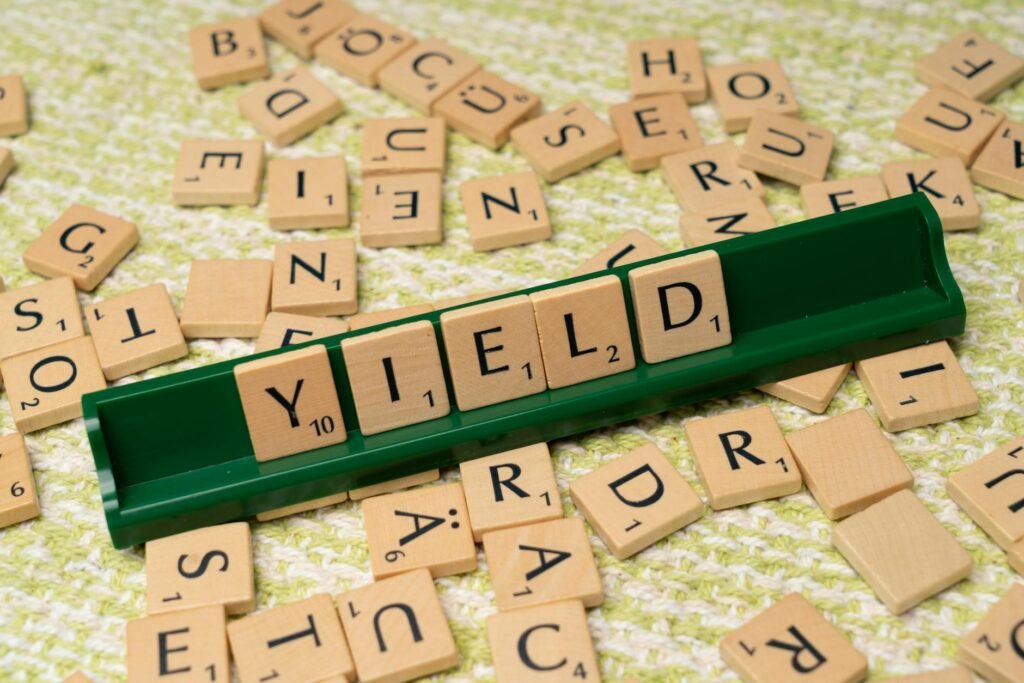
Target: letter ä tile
[548,642]
[361,47]
[289,106]
[993,648]
[228,52]
[192,642]
[300,24]
[944,123]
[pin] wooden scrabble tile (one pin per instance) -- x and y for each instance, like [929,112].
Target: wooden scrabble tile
[361,321]
[393,146]
[666,65]
[485,108]
[709,177]
[192,642]
[901,551]
[944,123]
[209,566]
[290,403]
[218,172]
[510,489]
[847,463]
[944,181]
[584,331]
[45,386]
[493,352]
[301,24]
[289,106]
[735,219]
[421,75]
[955,675]
[361,47]
[452,301]
[307,193]
[1000,165]
[504,211]
[1015,556]
[314,504]
[813,391]
[299,641]
[742,457]
[39,315]
[632,246]
[791,641]
[226,298]
[397,629]
[992,648]
[18,500]
[565,141]
[740,90]
[394,485]
[228,52]
[991,491]
[135,331]
[6,164]
[636,500]
[401,210]
[918,386]
[542,563]
[833,196]
[548,642]
[652,127]
[679,306]
[315,278]
[285,329]
[786,148]
[13,106]
[78,677]
[971,65]
[396,377]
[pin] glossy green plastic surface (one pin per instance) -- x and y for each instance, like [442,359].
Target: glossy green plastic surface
[174,453]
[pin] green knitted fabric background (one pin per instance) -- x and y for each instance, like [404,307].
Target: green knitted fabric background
[112,95]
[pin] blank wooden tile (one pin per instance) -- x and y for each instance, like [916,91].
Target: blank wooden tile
[394,485]
[45,386]
[813,391]
[791,641]
[421,75]
[946,184]
[189,645]
[971,65]
[393,146]
[401,210]
[679,306]
[742,457]
[135,331]
[485,108]
[396,377]
[315,278]
[13,106]
[636,500]
[666,65]
[734,219]
[901,551]
[228,52]
[786,148]
[1000,165]
[944,123]
[565,141]
[991,491]
[956,674]
[710,177]
[307,193]
[301,24]
[361,47]
[299,641]
[584,331]
[6,164]
[397,629]
[542,563]
[652,127]
[209,566]
[504,211]
[360,321]
[285,329]
[308,505]
[544,643]
[39,315]
[226,298]
[218,172]
[918,386]
[18,499]
[992,648]
[832,196]
[289,106]
[632,246]
[510,489]
[847,463]
[290,403]
[740,90]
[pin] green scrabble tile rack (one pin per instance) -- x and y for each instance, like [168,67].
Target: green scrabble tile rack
[174,453]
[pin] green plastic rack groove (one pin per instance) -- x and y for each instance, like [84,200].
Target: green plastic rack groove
[174,454]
